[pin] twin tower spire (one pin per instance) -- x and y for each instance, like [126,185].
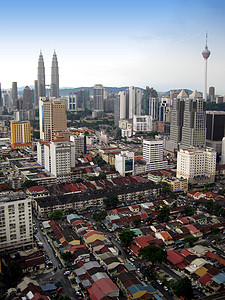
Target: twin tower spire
[54,90]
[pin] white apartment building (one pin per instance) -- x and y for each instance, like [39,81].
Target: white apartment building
[142,123]
[124,163]
[153,155]
[59,158]
[126,127]
[15,223]
[198,166]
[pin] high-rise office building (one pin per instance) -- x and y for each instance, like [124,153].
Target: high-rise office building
[148,93]
[5,99]
[0,95]
[20,134]
[194,124]
[52,116]
[131,102]
[83,99]
[211,93]
[36,99]
[138,98]
[177,118]
[27,98]
[16,223]
[14,93]
[98,97]
[223,152]
[154,108]
[117,110]
[54,77]
[123,95]
[215,129]
[41,76]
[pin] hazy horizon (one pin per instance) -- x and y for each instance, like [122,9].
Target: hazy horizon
[127,43]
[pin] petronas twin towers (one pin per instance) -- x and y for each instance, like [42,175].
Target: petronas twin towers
[54,90]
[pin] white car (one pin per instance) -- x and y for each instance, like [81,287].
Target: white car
[66,273]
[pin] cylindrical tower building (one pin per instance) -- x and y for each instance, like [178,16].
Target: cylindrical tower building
[206,53]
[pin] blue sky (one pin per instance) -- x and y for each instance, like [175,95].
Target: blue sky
[115,43]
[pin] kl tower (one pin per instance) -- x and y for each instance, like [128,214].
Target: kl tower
[206,53]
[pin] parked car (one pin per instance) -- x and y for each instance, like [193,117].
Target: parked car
[60,266]
[66,273]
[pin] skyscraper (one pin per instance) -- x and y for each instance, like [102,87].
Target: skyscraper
[138,97]
[148,93]
[52,116]
[194,126]
[41,76]
[98,97]
[27,98]
[211,93]
[131,102]
[14,93]
[177,118]
[36,93]
[54,77]
[0,95]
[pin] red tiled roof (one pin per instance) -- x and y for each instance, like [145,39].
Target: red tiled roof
[144,240]
[37,188]
[174,257]
[192,228]
[135,248]
[215,256]
[92,232]
[106,285]
[185,252]
[205,278]
[38,296]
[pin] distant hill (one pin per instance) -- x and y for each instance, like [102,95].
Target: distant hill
[64,91]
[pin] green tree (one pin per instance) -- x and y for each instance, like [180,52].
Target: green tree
[28,183]
[136,222]
[67,256]
[165,187]
[78,180]
[36,134]
[13,273]
[188,211]
[183,287]
[214,230]
[190,239]
[126,237]
[99,216]
[111,201]
[56,215]
[164,214]
[153,254]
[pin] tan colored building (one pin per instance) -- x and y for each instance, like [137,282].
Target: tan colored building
[20,135]
[52,117]
[177,184]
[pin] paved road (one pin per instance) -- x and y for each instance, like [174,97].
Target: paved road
[169,271]
[51,276]
[158,286]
